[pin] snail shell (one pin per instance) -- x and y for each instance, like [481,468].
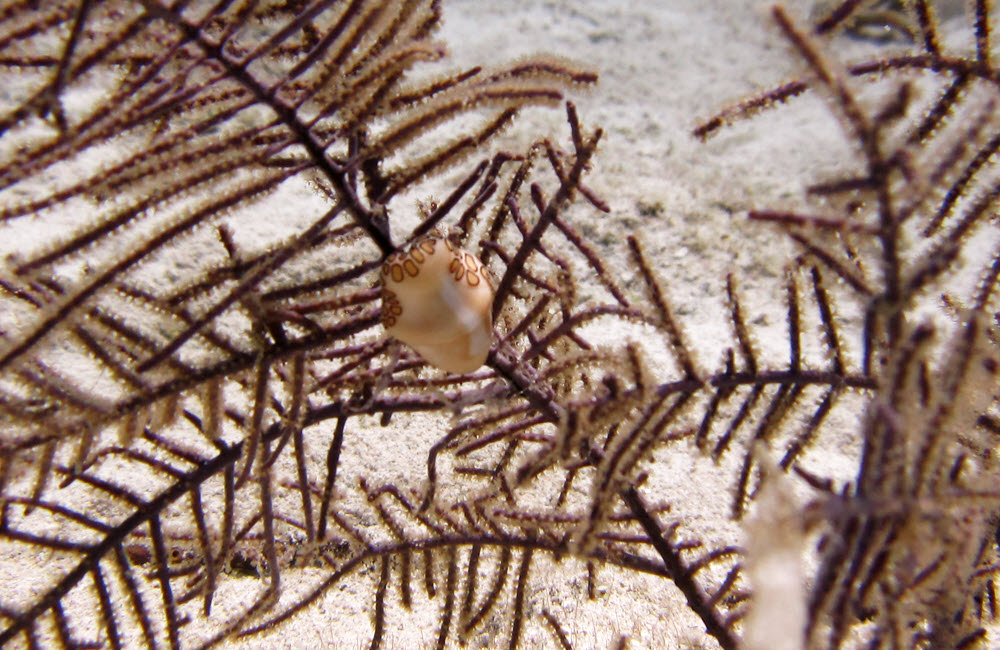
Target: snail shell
[437,299]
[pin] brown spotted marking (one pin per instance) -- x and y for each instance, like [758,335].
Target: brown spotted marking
[450,329]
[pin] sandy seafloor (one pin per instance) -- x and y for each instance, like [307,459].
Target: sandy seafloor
[663,65]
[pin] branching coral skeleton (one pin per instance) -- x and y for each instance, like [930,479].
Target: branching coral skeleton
[183,405]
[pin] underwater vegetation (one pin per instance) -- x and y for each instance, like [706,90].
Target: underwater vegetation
[194,392]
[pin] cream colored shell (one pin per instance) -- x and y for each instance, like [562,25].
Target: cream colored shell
[437,299]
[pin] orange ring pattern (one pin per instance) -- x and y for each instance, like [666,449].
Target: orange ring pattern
[408,263]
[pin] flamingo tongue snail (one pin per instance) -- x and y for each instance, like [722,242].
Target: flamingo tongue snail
[437,299]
